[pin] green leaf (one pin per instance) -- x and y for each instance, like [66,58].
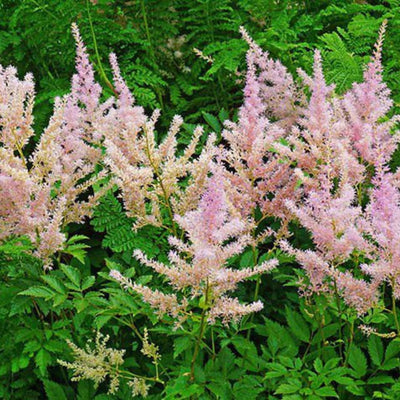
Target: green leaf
[287,388]
[42,360]
[326,391]
[223,115]
[101,320]
[213,122]
[297,325]
[248,387]
[59,299]
[318,365]
[38,291]
[181,344]
[72,274]
[86,390]
[392,350]
[247,259]
[77,238]
[380,379]
[277,370]
[221,389]
[357,390]
[375,349]
[54,391]
[88,282]
[77,251]
[357,360]
[55,284]
[390,364]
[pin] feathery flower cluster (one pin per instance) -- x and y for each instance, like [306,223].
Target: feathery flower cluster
[383,226]
[287,155]
[96,362]
[216,232]
[42,193]
[317,146]
[148,174]
[365,105]
[139,387]
[341,144]
[271,105]
[292,156]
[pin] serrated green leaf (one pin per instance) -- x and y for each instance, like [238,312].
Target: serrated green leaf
[213,122]
[54,391]
[43,360]
[375,349]
[38,291]
[88,282]
[326,391]
[72,274]
[298,325]
[357,360]
[286,388]
[379,380]
[181,344]
[55,283]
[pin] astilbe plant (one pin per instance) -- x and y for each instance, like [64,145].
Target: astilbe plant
[297,153]
[335,224]
[317,146]
[97,362]
[199,268]
[272,103]
[351,200]
[42,193]
[149,175]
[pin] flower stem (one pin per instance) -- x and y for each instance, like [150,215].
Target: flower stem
[394,309]
[201,333]
[340,319]
[197,346]
[96,50]
[159,179]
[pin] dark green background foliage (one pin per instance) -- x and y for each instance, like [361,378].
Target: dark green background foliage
[35,36]
[296,350]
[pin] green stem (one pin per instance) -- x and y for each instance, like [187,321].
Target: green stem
[340,320]
[159,179]
[256,291]
[213,344]
[96,50]
[197,346]
[148,36]
[129,375]
[201,333]
[394,309]
[350,343]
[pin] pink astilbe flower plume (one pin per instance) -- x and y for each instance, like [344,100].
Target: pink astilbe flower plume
[332,220]
[43,193]
[216,232]
[340,148]
[272,104]
[317,145]
[16,104]
[149,173]
[365,105]
[337,228]
[383,226]
[84,86]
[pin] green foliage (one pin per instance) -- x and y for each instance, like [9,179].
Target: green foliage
[304,349]
[154,41]
[110,217]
